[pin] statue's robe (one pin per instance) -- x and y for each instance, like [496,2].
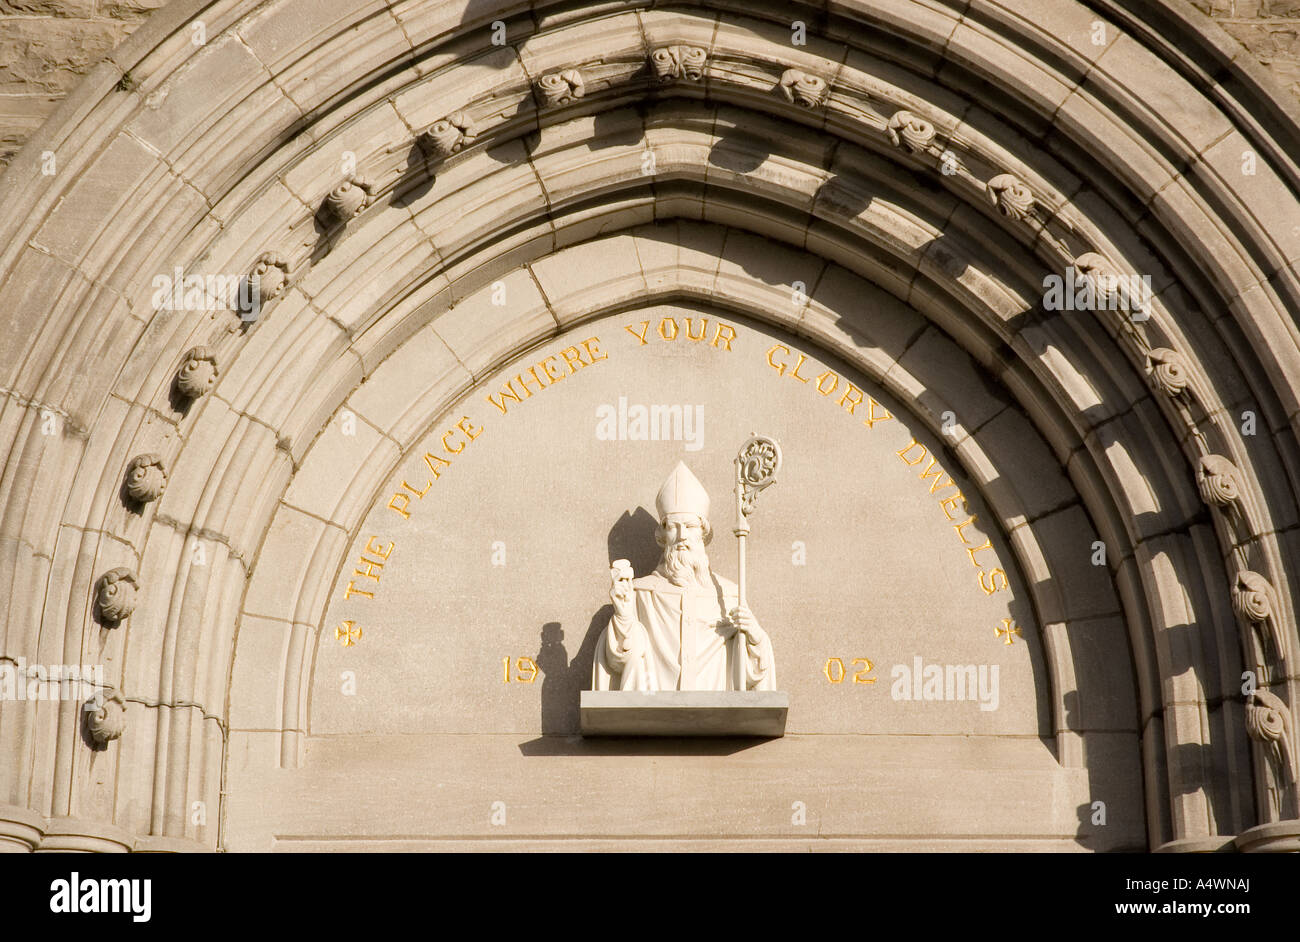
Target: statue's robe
[681,639]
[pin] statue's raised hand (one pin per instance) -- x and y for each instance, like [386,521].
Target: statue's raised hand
[620,589]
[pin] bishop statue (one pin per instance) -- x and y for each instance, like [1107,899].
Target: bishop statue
[681,627]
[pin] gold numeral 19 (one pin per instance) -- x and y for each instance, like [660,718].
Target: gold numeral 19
[526,669]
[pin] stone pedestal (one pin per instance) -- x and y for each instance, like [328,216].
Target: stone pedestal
[684,713]
[1280,837]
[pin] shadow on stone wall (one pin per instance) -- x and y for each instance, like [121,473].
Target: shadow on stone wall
[563,678]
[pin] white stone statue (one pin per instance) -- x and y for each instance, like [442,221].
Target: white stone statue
[681,627]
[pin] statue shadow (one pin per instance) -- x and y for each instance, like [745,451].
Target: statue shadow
[563,679]
[633,538]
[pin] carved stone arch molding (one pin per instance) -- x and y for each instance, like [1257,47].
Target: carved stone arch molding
[888,197]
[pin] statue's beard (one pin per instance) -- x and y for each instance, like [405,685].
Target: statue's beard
[685,565]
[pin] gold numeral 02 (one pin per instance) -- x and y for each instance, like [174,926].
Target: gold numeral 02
[835,671]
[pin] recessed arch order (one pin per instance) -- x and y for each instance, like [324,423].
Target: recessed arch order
[894,189]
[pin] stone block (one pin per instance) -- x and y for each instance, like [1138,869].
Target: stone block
[684,713]
[257,677]
[52,54]
[482,334]
[407,388]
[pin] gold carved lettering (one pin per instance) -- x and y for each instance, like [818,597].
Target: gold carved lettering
[930,472]
[913,454]
[913,444]
[450,450]
[965,523]
[551,373]
[429,459]
[369,568]
[546,368]
[972,550]
[821,382]
[726,338]
[779,367]
[376,549]
[862,668]
[507,392]
[569,361]
[704,326]
[861,676]
[852,403]
[872,418]
[406,502]
[645,325]
[419,494]
[992,585]
[525,667]
[437,463]
[948,503]
[523,383]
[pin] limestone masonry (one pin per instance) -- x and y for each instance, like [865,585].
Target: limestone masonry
[563,424]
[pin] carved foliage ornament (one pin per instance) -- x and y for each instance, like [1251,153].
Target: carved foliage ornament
[451,134]
[265,283]
[1169,369]
[145,478]
[909,132]
[198,372]
[1255,601]
[804,90]
[671,63]
[115,594]
[1218,480]
[269,276]
[346,201]
[1011,196]
[1094,268]
[1252,596]
[560,88]
[1269,722]
[106,718]
[1110,290]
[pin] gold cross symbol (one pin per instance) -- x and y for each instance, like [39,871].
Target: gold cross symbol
[1008,631]
[347,634]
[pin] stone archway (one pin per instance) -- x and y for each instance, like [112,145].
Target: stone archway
[893,191]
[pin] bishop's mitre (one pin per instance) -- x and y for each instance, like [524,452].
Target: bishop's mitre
[682,493]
